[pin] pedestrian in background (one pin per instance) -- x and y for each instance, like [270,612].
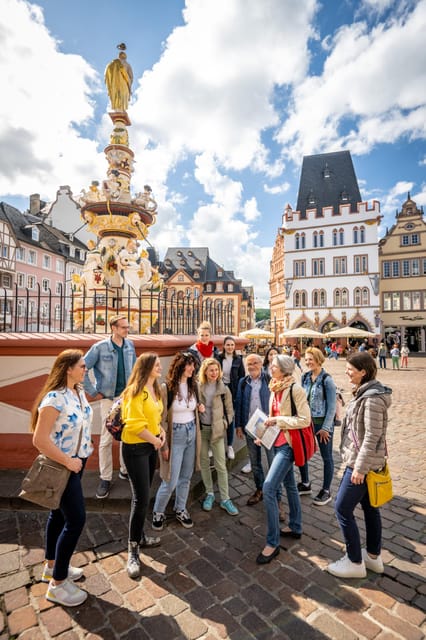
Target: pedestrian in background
[61,419]
[363,448]
[111,361]
[404,355]
[395,354]
[232,371]
[267,361]
[142,437]
[382,352]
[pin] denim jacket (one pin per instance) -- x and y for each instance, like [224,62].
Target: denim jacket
[103,359]
[321,406]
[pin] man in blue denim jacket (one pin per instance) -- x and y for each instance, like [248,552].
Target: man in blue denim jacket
[111,361]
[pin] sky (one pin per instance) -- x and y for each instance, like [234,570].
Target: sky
[227,98]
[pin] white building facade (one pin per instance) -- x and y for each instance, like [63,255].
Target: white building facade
[331,263]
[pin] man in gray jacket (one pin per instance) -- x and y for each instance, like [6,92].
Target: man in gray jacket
[111,361]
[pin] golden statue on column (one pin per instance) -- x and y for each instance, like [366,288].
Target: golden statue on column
[117,271]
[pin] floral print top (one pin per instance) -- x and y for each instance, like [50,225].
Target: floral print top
[72,417]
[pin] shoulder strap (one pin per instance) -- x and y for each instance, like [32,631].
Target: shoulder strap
[293,405]
[225,413]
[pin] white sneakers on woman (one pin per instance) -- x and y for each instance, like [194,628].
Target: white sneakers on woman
[345,568]
[74,573]
[66,593]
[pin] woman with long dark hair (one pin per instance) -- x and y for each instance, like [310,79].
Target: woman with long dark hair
[142,437]
[180,455]
[363,448]
[61,421]
[232,371]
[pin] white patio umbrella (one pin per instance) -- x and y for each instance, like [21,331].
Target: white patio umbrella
[256,334]
[301,332]
[349,332]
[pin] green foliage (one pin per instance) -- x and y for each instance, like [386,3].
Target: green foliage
[263,314]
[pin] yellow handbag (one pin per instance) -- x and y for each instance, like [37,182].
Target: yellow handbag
[379,484]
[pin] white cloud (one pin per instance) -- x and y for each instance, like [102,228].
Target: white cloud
[277,189]
[355,92]
[46,95]
[251,212]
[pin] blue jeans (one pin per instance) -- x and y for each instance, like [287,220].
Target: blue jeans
[182,457]
[255,455]
[348,496]
[281,470]
[382,362]
[140,460]
[64,526]
[326,451]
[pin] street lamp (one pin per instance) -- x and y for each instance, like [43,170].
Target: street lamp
[374,280]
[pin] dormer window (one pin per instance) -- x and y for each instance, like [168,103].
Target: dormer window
[35,234]
[326,172]
[179,253]
[220,274]
[311,198]
[196,275]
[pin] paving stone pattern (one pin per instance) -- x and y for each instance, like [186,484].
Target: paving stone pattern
[204,584]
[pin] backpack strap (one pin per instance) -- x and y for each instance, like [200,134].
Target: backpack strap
[293,404]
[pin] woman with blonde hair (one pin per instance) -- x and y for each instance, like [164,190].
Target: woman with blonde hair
[204,346]
[217,401]
[142,437]
[321,392]
[61,421]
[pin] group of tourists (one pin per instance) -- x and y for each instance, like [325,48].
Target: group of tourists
[206,400]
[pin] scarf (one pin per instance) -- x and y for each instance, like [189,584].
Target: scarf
[206,350]
[277,386]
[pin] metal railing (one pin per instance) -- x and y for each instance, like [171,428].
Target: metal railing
[156,312]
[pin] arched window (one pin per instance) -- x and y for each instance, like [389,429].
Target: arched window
[362,234]
[334,237]
[345,297]
[365,296]
[323,298]
[303,298]
[297,240]
[341,236]
[321,238]
[303,241]
[315,299]
[355,235]
[357,297]
[315,239]
[297,299]
[336,296]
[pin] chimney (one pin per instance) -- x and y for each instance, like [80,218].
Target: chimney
[35,204]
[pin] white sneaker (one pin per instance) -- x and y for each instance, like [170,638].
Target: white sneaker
[74,573]
[67,593]
[345,568]
[246,468]
[231,453]
[374,564]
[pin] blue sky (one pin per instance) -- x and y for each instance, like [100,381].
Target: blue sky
[228,96]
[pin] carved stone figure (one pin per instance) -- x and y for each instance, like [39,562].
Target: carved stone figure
[118,80]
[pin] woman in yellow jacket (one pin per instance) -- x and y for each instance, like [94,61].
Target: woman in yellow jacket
[142,437]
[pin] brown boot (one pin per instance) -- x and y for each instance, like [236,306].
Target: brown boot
[255,498]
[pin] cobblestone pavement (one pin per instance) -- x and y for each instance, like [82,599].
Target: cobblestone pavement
[204,584]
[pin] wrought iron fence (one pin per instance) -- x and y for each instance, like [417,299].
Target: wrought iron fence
[157,312]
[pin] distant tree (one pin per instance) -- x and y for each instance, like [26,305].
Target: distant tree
[263,314]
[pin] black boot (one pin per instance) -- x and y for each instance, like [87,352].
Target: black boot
[133,561]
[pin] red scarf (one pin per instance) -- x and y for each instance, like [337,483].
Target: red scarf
[206,350]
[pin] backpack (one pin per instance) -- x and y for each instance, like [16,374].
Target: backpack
[113,420]
[340,403]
